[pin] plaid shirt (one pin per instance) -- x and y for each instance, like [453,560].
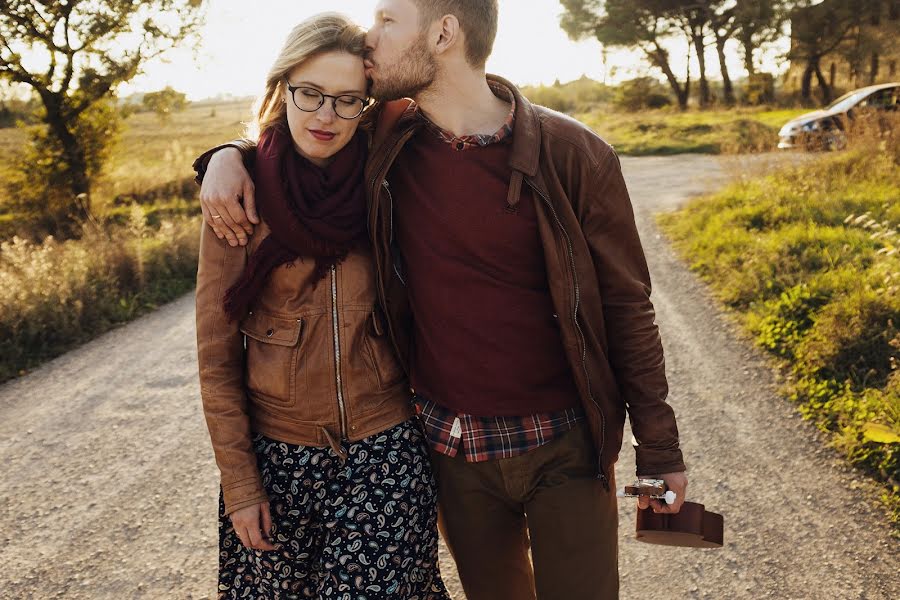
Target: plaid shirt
[467,142]
[488,438]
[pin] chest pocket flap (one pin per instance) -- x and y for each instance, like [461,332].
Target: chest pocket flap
[272,330]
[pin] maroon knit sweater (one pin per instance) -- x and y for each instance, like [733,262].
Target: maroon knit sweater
[486,340]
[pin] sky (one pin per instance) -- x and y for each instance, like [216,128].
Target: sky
[240,40]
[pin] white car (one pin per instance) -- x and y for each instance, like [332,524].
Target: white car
[827,128]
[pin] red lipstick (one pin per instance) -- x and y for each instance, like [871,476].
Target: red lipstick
[322,136]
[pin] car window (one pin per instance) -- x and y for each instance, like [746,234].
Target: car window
[880,99]
[845,102]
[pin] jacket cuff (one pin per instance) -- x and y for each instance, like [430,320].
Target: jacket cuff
[650,462]
[243,494]
[246,147]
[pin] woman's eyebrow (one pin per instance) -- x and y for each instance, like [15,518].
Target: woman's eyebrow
[321,88]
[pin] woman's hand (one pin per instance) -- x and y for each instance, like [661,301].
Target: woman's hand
[253,525]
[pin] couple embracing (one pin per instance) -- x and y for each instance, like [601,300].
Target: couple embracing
[431,311]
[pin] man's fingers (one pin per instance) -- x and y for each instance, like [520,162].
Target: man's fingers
[239,216]
[661,507]
[234,217]
[250,202]
[207,218]
[226,225]
[643,502]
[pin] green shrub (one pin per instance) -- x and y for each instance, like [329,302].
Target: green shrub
[641,93]
[809,258]
[851,340]
[783,322]
[581,95]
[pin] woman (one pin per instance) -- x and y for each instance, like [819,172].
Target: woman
[326,491]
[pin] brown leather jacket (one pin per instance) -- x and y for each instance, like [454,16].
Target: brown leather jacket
[597,272]
[307,366]
[598,275]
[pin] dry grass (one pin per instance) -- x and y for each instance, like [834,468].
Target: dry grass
[55,295]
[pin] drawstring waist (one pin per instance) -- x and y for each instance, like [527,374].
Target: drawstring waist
[335,445]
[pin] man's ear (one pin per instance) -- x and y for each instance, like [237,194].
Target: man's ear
[449,34]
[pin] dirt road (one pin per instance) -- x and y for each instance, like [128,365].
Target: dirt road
[108,487]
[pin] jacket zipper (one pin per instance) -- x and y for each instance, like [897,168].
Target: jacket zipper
[602,475]
[337,353]
[387,188]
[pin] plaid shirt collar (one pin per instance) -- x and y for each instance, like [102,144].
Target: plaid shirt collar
[478,140]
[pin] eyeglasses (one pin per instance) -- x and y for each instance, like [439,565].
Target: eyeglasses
[310,99]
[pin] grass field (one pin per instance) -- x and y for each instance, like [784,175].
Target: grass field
[152,160]
[151,154]
[809,259]
[668,131]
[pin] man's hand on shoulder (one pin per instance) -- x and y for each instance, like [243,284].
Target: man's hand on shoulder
[676,482]
[225,184]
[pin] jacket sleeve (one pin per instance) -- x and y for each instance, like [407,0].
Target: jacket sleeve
[246,147]
[220,354]
[635,347]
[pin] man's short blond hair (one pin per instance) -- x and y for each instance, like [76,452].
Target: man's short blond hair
[477,18]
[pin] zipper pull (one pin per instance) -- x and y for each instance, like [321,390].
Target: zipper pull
[602,476]
[604,481]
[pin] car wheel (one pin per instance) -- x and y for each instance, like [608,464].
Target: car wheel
[834,140]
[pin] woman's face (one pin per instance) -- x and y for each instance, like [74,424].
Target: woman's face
[320,134]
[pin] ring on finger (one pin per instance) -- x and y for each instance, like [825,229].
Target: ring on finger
[217,216]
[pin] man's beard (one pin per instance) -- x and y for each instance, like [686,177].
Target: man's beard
[414,73]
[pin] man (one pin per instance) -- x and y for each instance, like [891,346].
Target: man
[517,295]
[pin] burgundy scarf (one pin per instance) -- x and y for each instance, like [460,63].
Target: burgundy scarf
[313,212]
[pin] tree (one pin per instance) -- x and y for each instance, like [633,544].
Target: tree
[164,102]
[641,93]
[693,17]
[91,46]
[756,23]
[818,30]
[722,22]
[644,24]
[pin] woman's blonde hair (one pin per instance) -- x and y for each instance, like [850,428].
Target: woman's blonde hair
[325,32]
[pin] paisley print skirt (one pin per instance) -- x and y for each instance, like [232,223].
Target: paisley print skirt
[362,530]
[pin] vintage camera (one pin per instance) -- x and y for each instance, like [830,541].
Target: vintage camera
[648,488]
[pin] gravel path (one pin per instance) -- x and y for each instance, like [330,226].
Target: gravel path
[108,485]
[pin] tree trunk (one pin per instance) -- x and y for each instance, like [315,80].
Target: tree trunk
[823,85]
[697,38]
[78,205]
[659,58]
[747,43]
[806,82]
[727,86]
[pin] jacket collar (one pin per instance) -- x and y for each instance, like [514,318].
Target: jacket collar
[526,143]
